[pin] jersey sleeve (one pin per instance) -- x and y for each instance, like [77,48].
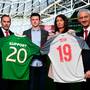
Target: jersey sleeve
[85,46]
[34,49]
[46,47]
[82,43]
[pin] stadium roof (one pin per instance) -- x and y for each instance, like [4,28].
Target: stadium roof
[47,8]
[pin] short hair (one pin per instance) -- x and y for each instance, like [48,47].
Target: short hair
[83,10]
[35,14]
[5,15]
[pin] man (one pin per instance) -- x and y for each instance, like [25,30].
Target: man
[37,68]
[84,19]
[4,31]
[5,25]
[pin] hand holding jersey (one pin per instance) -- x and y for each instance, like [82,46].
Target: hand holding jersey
[17,52]
[64,52]
[87,75]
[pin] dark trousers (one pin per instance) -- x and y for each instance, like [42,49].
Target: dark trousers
[0,71]
[1,84]
[37,78]
[71,86]
[88,84]
[15,84]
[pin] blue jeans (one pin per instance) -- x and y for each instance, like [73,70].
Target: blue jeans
[37,78]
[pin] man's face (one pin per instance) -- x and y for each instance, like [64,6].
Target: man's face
[84,19]
[6,22]
[35,21]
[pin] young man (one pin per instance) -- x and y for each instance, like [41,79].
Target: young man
[37,68]
[84,19]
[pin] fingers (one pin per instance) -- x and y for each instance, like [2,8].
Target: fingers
[87,74]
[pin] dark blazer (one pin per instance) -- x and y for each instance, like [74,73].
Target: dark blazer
[44,35]
[85,53]
[81,34]
[1,33]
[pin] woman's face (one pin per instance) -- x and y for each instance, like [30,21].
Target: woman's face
[60,23]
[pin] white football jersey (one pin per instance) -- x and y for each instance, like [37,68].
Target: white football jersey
[65,55]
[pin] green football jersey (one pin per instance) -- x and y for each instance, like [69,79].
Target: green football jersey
[17,52]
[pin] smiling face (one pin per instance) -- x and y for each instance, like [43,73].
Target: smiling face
[35,21]
[84,19]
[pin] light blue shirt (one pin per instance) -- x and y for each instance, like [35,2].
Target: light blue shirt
[36,39]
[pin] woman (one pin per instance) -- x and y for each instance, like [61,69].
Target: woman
[64,51]
[61,25]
